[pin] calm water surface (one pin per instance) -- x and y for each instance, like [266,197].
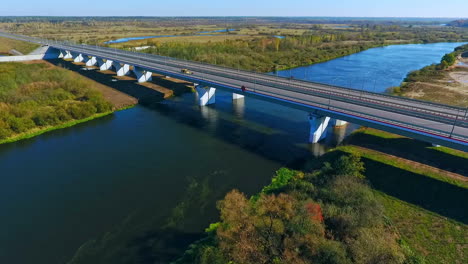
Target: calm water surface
[149,176]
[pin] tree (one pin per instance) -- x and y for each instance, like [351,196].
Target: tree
[270,230]
[449,58]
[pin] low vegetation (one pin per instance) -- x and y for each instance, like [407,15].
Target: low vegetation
[326,216]
[8,44]
[432,220]
[261,54]
[38,96]
[436,83]
[265,53]
[459,23]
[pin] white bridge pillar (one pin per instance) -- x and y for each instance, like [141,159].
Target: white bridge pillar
[104,65]
[121,69]
[65,54]
[206,96]
[142,75]
[340,123]
[78,57]
[237,96]
[90,61]
[318,127]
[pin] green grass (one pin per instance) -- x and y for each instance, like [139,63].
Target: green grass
[427,208]
[441,157]
[8,44]
[391,161]
[439,239]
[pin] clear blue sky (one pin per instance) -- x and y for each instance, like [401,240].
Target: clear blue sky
[349,8]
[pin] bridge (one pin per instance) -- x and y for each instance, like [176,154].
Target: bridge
[326,104]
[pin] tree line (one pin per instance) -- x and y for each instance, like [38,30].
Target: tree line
[267,54]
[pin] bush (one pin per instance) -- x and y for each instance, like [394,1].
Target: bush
[33,95]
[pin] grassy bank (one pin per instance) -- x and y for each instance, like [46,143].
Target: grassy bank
[38,97]
[444,82]
[418,186]
[39,131]
[8,44]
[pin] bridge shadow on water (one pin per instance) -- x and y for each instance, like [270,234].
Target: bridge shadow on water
[129,86]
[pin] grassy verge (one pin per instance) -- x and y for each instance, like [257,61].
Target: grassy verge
[439,239]
[8,44]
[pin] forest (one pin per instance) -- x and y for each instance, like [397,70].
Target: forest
[38,95]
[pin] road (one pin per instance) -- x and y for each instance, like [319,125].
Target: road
[435,123]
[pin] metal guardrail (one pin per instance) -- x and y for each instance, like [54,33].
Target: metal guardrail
[439,116]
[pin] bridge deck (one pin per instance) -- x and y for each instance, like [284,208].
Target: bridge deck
[436,123]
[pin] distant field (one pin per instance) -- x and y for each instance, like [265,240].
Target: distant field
[8,44]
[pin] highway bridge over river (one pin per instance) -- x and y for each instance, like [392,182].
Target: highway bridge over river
[431,122]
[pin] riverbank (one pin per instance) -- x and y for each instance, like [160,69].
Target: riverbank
[446,84]
[38,97]
[422,188]
[39,131]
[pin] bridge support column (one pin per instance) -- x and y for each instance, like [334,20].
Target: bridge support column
[339,123]
[104,65]
[237,96]
[67,55]
[62,54]
[78,58]
[121,69]
[142,75]
[206,96]
[318,127]
[91,61]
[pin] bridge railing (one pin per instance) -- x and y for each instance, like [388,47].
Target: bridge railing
[292,84]
[458,119]
[45,41]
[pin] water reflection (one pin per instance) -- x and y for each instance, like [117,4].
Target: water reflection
[238,106]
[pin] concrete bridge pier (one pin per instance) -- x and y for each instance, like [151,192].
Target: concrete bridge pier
[318,127]
[104,64]
[91,61]
[142,75]
[121,69]
[206,96]
[65,54]
[340,123]
[78,57]
[237,96]
[62,54]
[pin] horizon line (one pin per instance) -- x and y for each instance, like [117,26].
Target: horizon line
[233,16]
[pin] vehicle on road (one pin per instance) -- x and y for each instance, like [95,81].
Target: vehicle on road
[186,71]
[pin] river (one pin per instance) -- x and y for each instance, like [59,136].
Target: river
[149,176]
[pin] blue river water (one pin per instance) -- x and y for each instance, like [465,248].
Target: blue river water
[374,69]
[149,177]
